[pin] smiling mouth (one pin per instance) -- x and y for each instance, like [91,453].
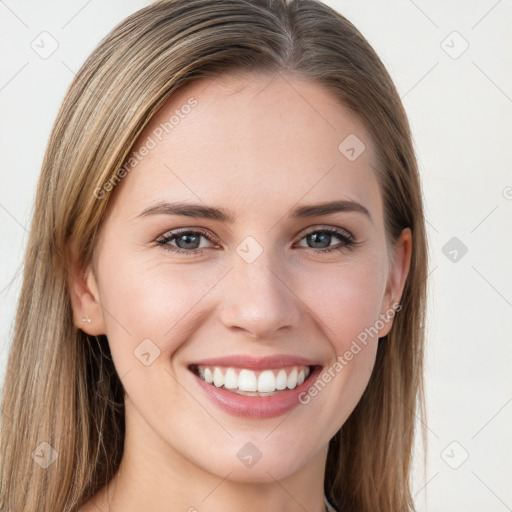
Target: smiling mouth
[247,382]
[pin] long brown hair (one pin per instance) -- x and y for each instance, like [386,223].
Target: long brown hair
[61,387]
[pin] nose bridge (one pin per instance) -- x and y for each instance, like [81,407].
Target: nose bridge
[257,297]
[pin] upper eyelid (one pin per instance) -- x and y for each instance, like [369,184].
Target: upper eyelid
[312,229]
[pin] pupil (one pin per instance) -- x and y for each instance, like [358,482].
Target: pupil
[188,240]
[324,236]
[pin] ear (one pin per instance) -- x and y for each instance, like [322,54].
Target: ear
[399,270]
[83,289]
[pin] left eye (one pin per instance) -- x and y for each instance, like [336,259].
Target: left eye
[189,241]
[324,236]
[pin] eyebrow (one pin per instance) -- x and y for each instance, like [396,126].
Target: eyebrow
[222,215]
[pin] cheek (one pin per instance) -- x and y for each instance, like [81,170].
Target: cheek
[346,298]
[347,302]
[149,302]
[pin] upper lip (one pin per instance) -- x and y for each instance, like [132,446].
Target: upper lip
[257,363]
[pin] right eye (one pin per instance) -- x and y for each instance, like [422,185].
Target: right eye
[187,241]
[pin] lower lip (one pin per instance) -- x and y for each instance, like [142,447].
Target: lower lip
[257,406]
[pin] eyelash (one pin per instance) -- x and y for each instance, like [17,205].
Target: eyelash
[347,240]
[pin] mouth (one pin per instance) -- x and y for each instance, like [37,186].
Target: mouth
[248,382]
[252,387]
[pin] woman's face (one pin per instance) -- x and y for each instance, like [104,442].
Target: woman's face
[250,282]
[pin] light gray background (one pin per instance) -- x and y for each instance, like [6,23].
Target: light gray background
[460,110]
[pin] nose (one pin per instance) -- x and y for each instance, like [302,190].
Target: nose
[258,299]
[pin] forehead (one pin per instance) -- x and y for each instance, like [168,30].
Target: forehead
[255,143]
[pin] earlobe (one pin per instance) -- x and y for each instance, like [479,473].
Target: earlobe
[396,280]
[85,302]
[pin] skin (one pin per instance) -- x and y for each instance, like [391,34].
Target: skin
[257,146]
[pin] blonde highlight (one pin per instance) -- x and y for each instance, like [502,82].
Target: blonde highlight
[61,385]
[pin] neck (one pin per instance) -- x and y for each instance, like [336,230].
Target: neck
[156,476]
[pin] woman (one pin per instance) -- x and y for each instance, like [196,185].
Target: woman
[224,285]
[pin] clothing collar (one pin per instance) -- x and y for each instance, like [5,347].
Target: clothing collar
[330,508]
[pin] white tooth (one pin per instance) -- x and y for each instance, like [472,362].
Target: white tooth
[292,379]
[247,381]
[231,379]
[201,372]
[301,377]
[218,378]
[308,371]
[208,375]
[281,380]
[266,381]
